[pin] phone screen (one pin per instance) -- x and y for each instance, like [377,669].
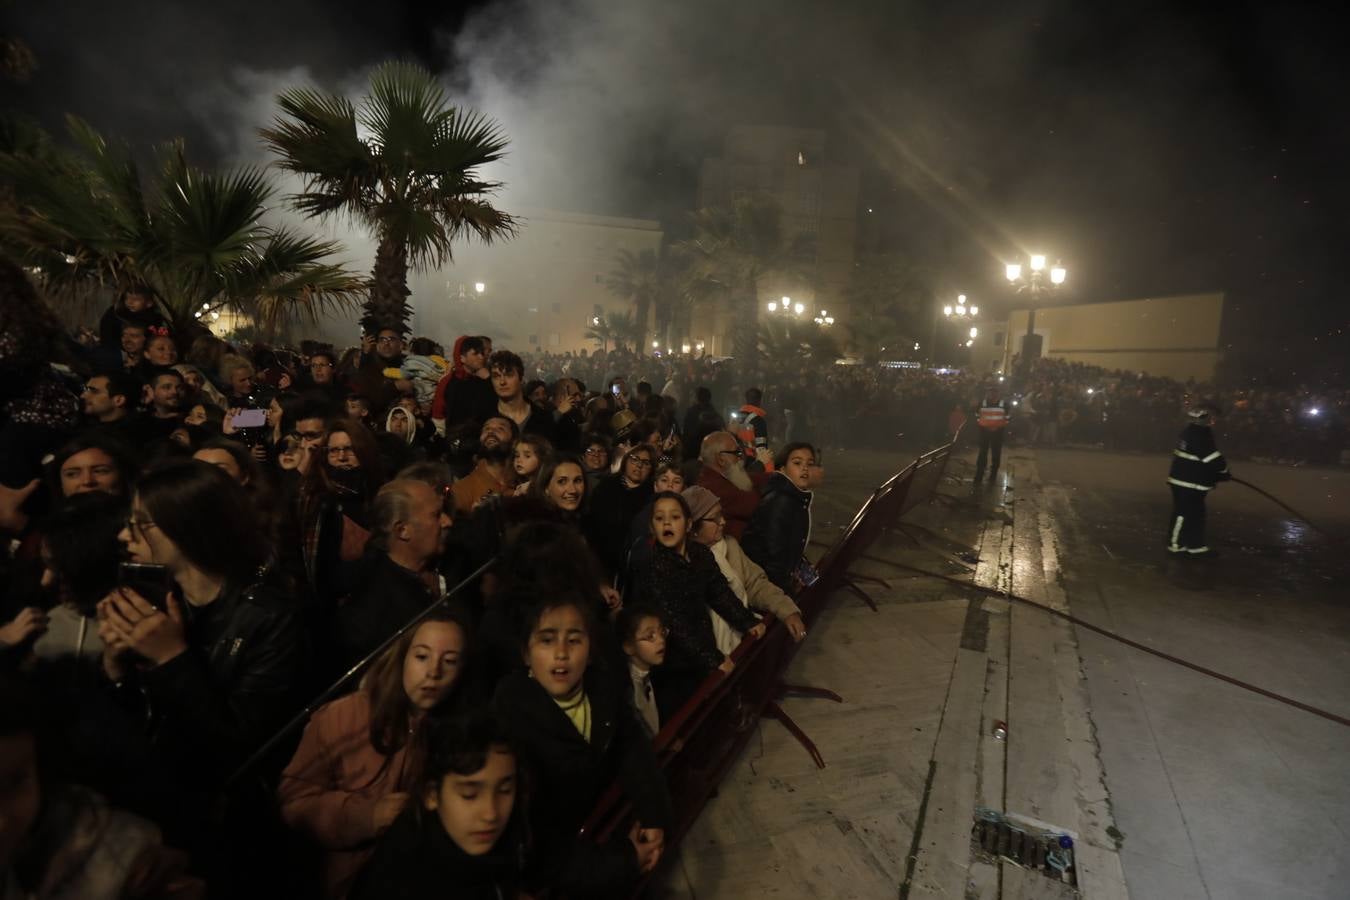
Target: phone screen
[250,418]
[151,581]
[615,389]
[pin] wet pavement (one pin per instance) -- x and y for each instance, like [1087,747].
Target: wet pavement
[1178,785]
[1218,792]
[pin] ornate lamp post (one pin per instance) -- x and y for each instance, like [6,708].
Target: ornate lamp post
[1035,281]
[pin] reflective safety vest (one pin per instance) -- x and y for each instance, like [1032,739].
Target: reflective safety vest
[993,415]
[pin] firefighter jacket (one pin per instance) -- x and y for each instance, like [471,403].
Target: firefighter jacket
[754,430]
[992,415]
[1196,463]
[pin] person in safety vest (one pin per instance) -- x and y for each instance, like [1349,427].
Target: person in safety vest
[1197,466]
[753,430]
[992,419]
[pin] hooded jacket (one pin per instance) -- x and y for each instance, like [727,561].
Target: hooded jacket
[778,531]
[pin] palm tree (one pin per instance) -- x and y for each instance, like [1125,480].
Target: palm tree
[600,332]
[617,326]
[736,249]
[790,344]
[90,220]
[638,279]
[405,165]
[886,295]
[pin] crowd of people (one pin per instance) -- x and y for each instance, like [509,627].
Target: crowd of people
[499,574]
[477,594]
[1064,402]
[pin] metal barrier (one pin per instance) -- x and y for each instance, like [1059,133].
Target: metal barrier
[700,742]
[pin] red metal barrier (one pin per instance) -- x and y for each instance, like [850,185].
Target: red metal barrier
[700,742]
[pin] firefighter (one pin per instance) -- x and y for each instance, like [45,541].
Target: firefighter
[753,432]
[992,419]
[1197,465]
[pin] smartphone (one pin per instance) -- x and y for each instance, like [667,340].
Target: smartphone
[250,418]
[615,390]
[151,581]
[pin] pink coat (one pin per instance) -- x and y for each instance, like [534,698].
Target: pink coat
[331,786]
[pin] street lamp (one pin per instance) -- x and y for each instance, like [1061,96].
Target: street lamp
[773,307]
[1034,283]
[799,309]
[960,311]
[479,286]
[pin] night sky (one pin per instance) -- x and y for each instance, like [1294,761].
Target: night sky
[1155,147]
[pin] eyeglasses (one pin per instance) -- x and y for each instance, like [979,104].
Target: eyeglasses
[732,452]
[141,526]
[387,339]
[341,451]
[311,435]
[640,461]
[596,451]
[315,365]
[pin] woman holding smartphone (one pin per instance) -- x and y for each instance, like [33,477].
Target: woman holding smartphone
[212,666]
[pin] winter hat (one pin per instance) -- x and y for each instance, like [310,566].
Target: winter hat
[700,500]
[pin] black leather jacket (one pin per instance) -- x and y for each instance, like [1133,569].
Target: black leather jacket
[214,704]
[779,529]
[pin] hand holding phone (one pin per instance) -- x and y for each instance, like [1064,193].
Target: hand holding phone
[249,418]
[151,581]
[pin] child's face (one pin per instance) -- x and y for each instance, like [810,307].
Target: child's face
[196,415]
[558,651]
[525,461]
[798,468]
[356,409]
[474,809]
[669,525]
[669,480]
[648,646]
[432,664]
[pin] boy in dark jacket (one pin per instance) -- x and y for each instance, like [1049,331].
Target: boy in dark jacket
[781,525]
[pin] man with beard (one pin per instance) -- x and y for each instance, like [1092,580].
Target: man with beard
[165,413]
[724,474]
[492,474]
[410,530]
[371,379]
[109,399]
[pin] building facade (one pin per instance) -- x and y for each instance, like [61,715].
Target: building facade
[1173,336]
[536,292]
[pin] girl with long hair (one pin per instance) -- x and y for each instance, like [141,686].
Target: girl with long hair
[361,756]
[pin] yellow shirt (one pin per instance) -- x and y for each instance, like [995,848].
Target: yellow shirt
[578,710]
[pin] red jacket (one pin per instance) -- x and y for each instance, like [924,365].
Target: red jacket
[737,505]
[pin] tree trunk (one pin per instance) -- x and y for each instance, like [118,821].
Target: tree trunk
[641,307]
[745,331]
[387,306]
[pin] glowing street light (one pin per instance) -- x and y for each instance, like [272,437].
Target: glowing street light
[974,310]
[684,348]
[479,286]
[947,310]
[974,332]
[1034,282]
[773,307]
[655,344]
[799,308]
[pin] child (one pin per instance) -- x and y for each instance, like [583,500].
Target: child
[424,367]
[530,451]
[576,733]
[780,528]
[460,832]
[668,477]
[644,643]
[358,408]
[357,762]
[683,581]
